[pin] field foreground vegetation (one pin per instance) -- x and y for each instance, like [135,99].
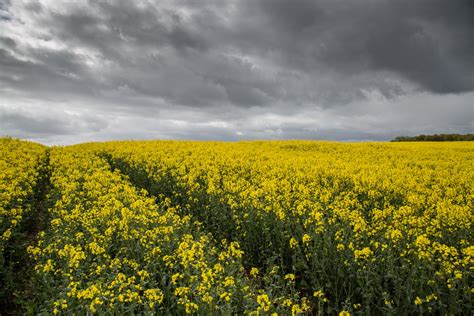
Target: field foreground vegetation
[286,227]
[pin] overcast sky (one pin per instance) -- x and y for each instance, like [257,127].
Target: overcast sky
[73,71]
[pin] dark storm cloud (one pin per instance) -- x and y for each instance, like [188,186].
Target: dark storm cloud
[230,59]
[51,74]
[430,41]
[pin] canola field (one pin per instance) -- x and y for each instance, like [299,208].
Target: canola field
[259,228]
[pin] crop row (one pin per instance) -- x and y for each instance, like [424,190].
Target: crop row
[21,166]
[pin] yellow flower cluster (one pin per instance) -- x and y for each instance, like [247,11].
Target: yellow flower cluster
[347,219]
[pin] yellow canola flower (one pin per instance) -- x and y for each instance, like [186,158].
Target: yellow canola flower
[229,281]
[306,239]
[191,307]
[254,272]
[263,302]
[363,254]
[293,242]
[155,296]
[290,277]
[225,296]
[418,301]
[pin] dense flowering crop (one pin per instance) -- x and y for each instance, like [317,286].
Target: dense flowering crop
[360,227]
[291,227]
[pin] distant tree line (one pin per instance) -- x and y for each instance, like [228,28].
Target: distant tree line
[435,138]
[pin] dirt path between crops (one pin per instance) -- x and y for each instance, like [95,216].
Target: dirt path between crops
[220,228]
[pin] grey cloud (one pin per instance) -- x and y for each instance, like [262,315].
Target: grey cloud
[332,44]
[5,14]
[429,42]
[26,123]
[7,41]
[53,74]
[116,28]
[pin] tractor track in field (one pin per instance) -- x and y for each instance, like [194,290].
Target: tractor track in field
[220,228]
[161,190]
